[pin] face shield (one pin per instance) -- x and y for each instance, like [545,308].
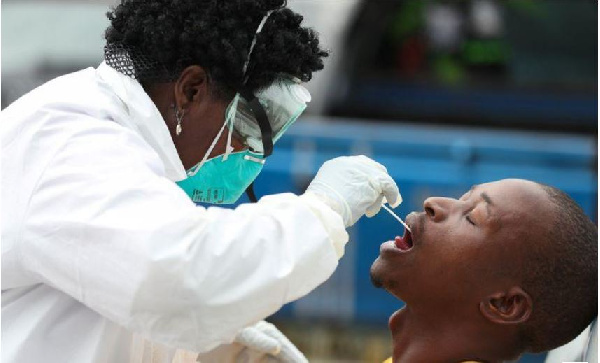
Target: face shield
[282,102]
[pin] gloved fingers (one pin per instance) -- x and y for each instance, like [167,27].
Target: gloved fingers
[263,326]
[386,185]
[271,330]
[390,190]
[257,340]
[382,183]
[370,163]
[353,186]
[289,352]
[374,208]
[292,355]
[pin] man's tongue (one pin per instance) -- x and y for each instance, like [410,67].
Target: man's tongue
[405,242]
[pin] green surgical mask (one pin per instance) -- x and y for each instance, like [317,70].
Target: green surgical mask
[222,179]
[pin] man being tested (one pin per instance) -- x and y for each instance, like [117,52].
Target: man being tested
[510,267]
[105,256]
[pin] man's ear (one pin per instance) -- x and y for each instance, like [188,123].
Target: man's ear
[513,306]
[191,86]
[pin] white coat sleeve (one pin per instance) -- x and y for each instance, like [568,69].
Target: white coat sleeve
[106,227]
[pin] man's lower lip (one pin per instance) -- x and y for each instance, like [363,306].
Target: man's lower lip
[390,247]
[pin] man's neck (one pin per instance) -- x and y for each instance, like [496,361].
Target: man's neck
[417,338]
[414,338]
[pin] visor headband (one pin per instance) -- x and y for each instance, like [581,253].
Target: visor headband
[266,131]
[255,106]
[258,30]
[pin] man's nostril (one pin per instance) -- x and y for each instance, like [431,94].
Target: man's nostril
[430,212]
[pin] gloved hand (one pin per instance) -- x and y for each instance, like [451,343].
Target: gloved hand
[260,343]
[353,186]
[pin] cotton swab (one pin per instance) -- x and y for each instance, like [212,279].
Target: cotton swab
[395,216]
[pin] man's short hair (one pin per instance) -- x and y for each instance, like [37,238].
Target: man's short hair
[562,276]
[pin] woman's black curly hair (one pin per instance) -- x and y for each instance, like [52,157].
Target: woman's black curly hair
[216,35]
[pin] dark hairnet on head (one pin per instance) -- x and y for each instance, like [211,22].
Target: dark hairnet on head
[154,40]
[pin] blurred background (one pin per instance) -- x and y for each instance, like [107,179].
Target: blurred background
[446,94]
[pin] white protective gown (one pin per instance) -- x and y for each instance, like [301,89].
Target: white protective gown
[101,249]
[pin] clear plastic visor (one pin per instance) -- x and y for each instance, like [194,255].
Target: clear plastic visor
[283,101]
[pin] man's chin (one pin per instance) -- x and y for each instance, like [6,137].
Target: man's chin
[382,278]
[376,276]
[376,280]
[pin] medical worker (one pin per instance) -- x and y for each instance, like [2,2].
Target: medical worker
[105,255]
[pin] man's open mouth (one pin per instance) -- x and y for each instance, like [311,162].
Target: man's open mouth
[405,242]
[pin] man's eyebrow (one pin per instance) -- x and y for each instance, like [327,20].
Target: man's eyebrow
[489,202]
[486,198]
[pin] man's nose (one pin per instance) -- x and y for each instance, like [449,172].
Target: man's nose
[438,208]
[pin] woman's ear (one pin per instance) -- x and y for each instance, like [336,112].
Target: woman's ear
[513,306]
[191,86]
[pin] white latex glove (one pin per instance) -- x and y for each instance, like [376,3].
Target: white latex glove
[260,343]
[353,186]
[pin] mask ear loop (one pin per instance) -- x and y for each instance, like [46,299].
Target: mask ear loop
[210,149]
[229,120]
